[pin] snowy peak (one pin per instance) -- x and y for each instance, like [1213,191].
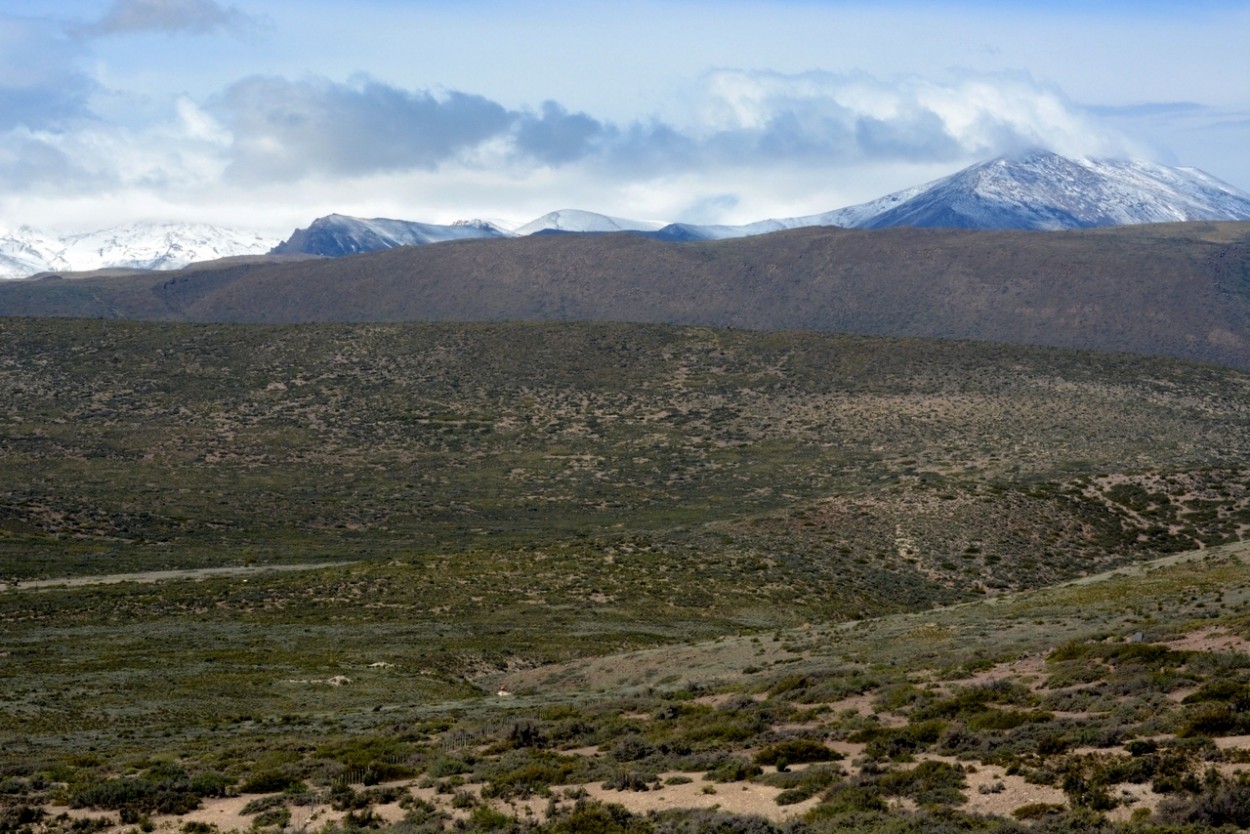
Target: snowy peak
[166,246]
[26,251]
[1035,190]
[336,235]
[137,246]
[1042,190]
[576,220]
[1032,190]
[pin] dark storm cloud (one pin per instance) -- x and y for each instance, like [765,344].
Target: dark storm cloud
[557,136]
[288,129]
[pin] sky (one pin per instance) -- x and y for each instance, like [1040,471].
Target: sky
[265,114]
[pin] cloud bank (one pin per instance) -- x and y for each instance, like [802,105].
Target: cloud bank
[286,130]
[747,143]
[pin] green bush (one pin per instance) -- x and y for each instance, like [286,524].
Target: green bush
[928,783]
[1037,811]
[1007,719]
[797,751]
[733,770]
[1213,718]
[269,781]
[139,794]
[277,817]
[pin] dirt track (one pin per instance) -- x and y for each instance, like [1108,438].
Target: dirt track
[162,576]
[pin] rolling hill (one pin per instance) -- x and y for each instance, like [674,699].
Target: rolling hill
[1174,290]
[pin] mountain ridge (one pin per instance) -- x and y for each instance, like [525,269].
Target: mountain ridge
[1035,190]
[1179,290]
[159,246]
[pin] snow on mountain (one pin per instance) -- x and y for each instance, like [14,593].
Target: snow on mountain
[1035,190]
[165,246]
[1042,190]
[27,251]
[575,220]
[336,235]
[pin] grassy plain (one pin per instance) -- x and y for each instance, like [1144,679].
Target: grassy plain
[674,547]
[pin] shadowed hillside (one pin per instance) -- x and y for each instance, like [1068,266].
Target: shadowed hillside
[1181,290]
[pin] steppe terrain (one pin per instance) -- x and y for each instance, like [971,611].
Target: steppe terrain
[607,577]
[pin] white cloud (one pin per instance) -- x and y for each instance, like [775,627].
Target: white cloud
[850,117]
[274,152]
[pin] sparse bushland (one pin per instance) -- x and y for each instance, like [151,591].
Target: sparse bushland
[555,561]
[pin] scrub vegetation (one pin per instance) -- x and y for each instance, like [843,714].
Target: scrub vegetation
[615,578]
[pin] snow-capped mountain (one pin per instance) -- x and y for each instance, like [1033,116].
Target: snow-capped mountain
[28,251]
[1034,190]
[1042,190]
[337,234]
[576,220]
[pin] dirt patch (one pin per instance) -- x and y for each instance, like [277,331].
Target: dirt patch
[148,577]
[733,797]
[1210,640]
[992,791]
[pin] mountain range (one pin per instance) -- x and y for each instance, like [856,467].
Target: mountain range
[1037,190]
[27,251]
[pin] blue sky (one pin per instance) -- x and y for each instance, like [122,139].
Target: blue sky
[269,113]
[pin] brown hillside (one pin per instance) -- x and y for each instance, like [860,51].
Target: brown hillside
[1180,290]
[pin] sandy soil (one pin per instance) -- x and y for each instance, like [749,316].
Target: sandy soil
[984,797]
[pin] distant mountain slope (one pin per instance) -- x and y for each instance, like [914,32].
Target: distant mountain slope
[1047,191]
[1038,190]
[576,220]
[1174,290]
[336,235]
[28,251]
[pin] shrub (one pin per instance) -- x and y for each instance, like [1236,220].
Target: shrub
[1037,811]
[140,795]
[263,803]
[1007,719]
[631,749]
[1235,695]
[847,799]
[596,818]
[278,817]
[797,751]
[485,818]
[629,780]
[268,781]
[929,783]
[1212,719]
[733,770]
